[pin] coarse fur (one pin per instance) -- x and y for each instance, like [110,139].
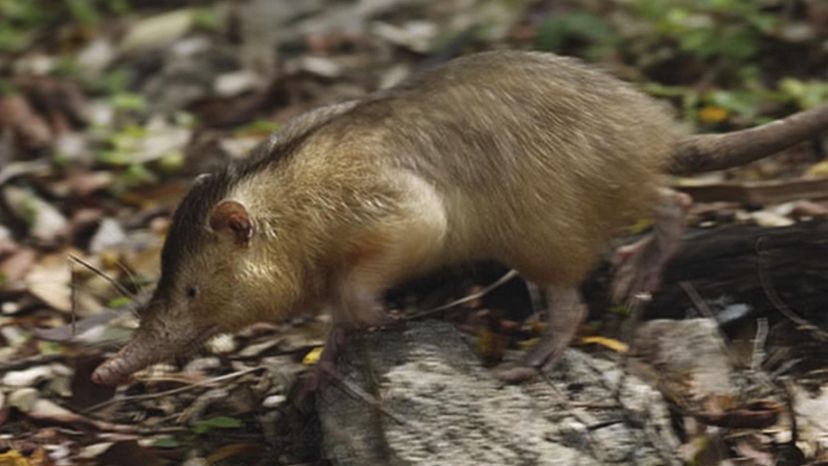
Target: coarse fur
[422,159]
[527,158]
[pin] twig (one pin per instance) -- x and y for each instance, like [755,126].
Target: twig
[759,344]
[131,276]
[15,169]
[73,299]
[784,368]
[31,361]
[786,389]
[103,275]
[773,296]
[636,309]
[497,283]
[174,391]
[694,296]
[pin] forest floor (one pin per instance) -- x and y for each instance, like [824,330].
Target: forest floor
[110,108]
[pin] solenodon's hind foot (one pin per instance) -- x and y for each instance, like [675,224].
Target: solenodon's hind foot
[638,267]
[567,313]
[313,380]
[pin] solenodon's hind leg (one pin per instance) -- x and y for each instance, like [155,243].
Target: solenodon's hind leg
[639,266]
[566,313]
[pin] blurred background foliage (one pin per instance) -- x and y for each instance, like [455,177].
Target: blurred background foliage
[724,64]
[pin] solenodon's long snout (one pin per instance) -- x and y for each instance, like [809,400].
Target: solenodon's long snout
[154,341]
[139,353]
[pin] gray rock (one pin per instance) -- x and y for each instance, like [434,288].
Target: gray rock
[419,396]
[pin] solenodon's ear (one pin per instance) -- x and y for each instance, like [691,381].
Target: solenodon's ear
[231,217]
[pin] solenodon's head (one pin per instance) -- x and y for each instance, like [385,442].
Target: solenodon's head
[201,286]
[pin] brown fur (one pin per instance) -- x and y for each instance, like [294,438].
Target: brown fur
[527,158]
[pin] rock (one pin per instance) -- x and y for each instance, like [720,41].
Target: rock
[689,357]
[419,396]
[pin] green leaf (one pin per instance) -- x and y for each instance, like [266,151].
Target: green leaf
[553,33]
[207,19]
[128,101]
[137,175]
[114,82]
[119,7]
[219,422]
[83,11]
[166,442]
[171,162]
[120,301]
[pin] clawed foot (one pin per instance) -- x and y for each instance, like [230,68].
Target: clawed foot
[567,314]
[515,374]
[314,380]
[542,358]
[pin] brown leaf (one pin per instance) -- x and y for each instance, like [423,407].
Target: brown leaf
[59,101]
[46,223]
[49,281]
[17,114]
[16,266]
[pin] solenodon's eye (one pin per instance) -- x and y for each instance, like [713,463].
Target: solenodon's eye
[192,292]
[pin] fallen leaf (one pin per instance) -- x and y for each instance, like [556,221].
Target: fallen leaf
[14,458]
[313,356]
[109,234]
[45,222]
[818,170]
[611,343]
[712,114]
[18,115]
[27,377]
[769,219]
[157,30]
[49,280]
[15,267]
[491,345]
[24,398]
